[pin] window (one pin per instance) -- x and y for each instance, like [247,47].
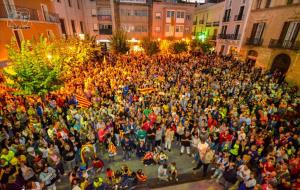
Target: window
[73,26]
[19,37]
[241,12]
[157,15]
[180,14]
[179,29]
[168,28]
[226,17]
[78,5]
[95,27]
[170,14]
[224,30]
[58,1]
[140,13]
[236,31]
[187,29]
[289,31]
[268,3]
[50,34]
[10,8]
[45,12]
[258,4]
[81,27]
[94,12]
[62,26]
[188,17]
[257,31]
[289,2]
[105,29]
[157,29]
[69,1]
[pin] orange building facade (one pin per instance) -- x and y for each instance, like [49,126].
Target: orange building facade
[26,20]
[172,20]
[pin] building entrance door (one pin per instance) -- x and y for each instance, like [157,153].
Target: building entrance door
[281,63]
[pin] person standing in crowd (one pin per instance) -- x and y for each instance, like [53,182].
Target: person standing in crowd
[128,147]
[169,135]
[186,143]
[203,148]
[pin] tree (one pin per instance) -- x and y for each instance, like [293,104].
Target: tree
[197,45]
[36,67]
[119,42]
[150,47]
[179,47]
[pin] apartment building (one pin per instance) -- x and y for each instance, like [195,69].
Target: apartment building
[71,16]
[172,20]
[26,20]
[231,29]
[206,21]
[133,16]
[272,37]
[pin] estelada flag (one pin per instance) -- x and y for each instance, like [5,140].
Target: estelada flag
[83,102]
[146,90]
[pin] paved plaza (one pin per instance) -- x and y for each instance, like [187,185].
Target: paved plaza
[184,165]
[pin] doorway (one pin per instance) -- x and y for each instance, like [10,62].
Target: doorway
[281,63]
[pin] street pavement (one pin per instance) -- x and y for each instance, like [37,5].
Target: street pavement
[183,162]
[199,185]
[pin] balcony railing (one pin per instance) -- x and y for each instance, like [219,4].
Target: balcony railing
[19,13]
[284,44]
[23,13]
[238,17]
[216,23]
[53,17]
[229,36]
[104,18]
[254,41]
[226,19]
[105,31]
[209,24]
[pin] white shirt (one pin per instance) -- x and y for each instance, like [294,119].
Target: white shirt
[202,148]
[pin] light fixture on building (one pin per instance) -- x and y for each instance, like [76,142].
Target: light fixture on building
[137,48]
[81,36]
[49,56]
[133,40]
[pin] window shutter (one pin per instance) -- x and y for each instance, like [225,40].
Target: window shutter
[253,32]
[284,31]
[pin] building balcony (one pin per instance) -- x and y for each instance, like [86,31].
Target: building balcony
[216,23]
[284,44]
[106,31]
[229,36]
[52,17]
[19,13]
[238,17]
[23,13]
[254,41]
[226,19]
[209,24]
[104,18]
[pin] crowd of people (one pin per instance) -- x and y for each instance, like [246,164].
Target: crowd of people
[238,123]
